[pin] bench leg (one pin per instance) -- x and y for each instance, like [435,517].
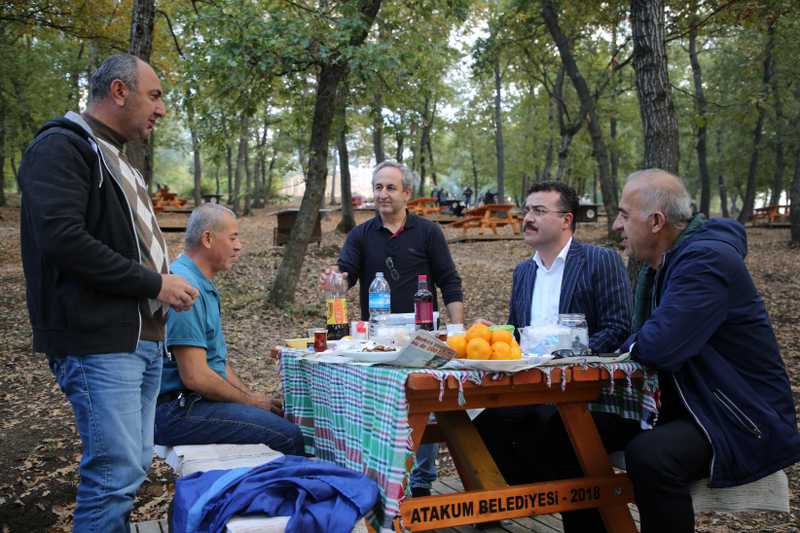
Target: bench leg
[593,459]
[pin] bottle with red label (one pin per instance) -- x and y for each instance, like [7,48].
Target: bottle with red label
[423,304]
[336,303]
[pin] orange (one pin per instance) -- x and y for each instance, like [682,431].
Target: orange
[502,335]
[479,331]
[478,348]
[516,352]
[458,343]
[501,350]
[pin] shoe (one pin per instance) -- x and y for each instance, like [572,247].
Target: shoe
[417,492]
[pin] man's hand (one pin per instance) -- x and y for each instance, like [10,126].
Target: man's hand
[176,292]
[274,405]
[325,275]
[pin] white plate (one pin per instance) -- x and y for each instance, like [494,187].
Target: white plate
[370,357]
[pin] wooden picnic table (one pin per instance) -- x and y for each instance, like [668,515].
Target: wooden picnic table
[424,206]
[364,418]
[490,216]
[771,214]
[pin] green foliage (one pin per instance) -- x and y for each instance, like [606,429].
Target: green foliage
[258,58]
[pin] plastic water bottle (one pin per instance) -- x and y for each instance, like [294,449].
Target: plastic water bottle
[380,301]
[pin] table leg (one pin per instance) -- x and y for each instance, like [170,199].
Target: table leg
[472,459]
[593,458]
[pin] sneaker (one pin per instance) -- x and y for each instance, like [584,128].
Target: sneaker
[417,492]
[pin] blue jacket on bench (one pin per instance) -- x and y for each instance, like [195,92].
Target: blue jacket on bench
[319,496]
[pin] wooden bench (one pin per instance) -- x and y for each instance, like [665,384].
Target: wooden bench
[187,460]
[489,216]
[770,493]
[424,206]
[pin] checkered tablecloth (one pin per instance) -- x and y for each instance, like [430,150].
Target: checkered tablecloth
[357,416]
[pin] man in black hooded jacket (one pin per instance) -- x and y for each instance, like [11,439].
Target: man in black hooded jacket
[98,285]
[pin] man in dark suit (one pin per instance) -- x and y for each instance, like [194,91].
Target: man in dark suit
[563,276]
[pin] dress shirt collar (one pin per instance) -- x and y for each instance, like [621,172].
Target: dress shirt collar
[560,258]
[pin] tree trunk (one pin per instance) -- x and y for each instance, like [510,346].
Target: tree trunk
[428,145]
[794,189]
[332,200]
[399,138]
[248,175]
[377,128]
[216,178]
[700,108]
[723,190]
[270,172]
[659,124]
[283,288]
[498,132]
[74,81]
[587,110]
[2,152]
[780,164]
[548,157]
[240,163]
[229,168]
[750,192]
[476,190]
[348,221]
[612,126]
[198,166]
[140,153]
[567,132]
[795,197]
[423,143]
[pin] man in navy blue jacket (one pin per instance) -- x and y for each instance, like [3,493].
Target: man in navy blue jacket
[563,276]
[726,403]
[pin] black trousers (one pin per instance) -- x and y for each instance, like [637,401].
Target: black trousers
[661,462]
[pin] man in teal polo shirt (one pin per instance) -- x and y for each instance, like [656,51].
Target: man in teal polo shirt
[202,400]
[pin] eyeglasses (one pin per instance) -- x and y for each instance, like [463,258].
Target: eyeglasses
[393,273]
[539,211]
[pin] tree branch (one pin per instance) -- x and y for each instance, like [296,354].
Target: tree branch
[172,32]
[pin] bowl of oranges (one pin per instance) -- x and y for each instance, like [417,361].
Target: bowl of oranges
[483,342]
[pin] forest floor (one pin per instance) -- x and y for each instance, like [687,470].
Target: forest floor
[39,446]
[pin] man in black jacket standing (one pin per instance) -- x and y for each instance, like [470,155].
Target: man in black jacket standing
[98,284]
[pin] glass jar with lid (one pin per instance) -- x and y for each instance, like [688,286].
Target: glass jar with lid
[577,339]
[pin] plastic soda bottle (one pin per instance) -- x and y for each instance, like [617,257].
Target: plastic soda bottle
[423,304]
[380,301]
[336,303]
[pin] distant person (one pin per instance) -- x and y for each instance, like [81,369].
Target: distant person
[437,194]
[402,246]
[202,399]
[488,198]
[564,275]
[727,412]
[468,196]
[98,283]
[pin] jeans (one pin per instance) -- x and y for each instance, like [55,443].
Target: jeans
[424,472]
[194,420]
[113,396]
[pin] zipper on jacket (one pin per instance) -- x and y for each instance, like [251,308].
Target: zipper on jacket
[697,420]
[737,413]
[135,238]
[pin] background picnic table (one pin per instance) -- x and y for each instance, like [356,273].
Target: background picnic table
[41,448]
